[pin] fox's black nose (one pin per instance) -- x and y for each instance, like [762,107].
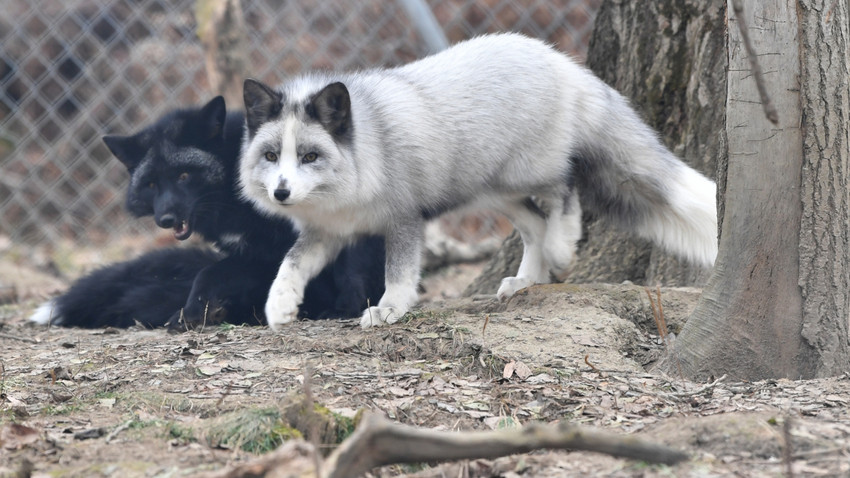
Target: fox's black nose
[166,221]
[281,194]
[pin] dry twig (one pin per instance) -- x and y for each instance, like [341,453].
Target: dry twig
[15,337]
[120,428]
[658,314]
[661,325]
[592,367]
[314,425]
[369,375]
[787,452]
[673,396]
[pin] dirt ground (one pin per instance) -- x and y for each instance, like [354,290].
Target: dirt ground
[144,403]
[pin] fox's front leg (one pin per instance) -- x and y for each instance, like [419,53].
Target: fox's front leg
[403,258]
[310,253]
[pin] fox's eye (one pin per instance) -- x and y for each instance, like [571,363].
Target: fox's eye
[183,177]
[309,158]
[270,157]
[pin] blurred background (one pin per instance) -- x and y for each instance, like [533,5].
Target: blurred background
[74,70]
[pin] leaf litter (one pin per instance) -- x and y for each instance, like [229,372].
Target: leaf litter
[576,354]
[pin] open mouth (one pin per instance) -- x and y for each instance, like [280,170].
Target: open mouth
[182,231]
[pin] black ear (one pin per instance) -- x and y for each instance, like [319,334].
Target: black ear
[332,108]
[261,104]
[212,116]
[125,148]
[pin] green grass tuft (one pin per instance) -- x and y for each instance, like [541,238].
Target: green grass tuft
[252,430]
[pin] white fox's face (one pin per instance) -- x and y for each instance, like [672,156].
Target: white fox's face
[293,154]
[291,162]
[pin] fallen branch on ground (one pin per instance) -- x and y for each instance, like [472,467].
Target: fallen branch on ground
[15,337]
[378,442]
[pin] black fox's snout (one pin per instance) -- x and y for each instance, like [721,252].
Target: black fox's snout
[181,227]
[171,212]
[166,221]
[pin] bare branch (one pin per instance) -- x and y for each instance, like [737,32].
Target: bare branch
[378,442]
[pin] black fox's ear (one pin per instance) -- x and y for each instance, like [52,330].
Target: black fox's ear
[124,148]
[261,104]
[332,108]
[213,115]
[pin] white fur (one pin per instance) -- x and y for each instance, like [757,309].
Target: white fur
[563,231]
[392,307]
[46,314]
[234,241]
[693,227]
[493,120]
[287,290]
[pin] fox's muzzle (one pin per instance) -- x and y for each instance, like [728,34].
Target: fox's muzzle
[281,194]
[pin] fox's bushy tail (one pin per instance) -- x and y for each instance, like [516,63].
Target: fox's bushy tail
[626,174]
[147,290]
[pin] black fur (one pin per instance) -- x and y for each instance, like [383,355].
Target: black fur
[262,103]
[146,290]
[331,107]
[174,165]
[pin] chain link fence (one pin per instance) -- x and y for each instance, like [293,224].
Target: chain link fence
[74,70]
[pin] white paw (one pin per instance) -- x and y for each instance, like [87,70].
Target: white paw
[281,306]
[511,285]
[378,316]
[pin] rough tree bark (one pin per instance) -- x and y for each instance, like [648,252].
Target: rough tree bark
[221,29]
[778,301]
[669,58]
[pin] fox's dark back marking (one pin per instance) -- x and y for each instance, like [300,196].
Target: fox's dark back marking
[609,191]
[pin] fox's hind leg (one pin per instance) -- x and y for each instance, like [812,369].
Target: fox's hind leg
[563,231]
[530,221]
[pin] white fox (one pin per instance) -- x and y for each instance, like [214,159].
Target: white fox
[493,121]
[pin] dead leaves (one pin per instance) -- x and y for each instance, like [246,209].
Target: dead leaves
[14,436]
[521,370]
[425,374]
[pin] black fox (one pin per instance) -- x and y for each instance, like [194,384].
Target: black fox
[183,172]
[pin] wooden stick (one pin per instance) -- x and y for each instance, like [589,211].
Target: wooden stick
[379,442]
[15,337]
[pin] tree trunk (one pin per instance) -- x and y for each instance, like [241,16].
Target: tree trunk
[669,57]
[777,303]
[221,29]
